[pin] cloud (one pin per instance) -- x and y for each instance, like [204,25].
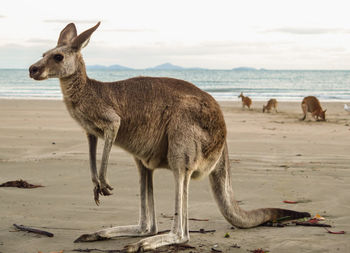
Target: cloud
[127,30]
[66,21]
[209,54]
[218,48]
[40,41]
[307,31]
[214,54]
[2,16]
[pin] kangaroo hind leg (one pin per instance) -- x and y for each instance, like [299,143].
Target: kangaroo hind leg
[179,161]
[179,232]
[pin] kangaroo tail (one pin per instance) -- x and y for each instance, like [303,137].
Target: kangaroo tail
[220,180]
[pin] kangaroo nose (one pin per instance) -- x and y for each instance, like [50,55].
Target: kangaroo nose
[33,70]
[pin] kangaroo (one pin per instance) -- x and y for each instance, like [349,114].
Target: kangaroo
[311,104]
[246,101]
[272,103]
[164,123]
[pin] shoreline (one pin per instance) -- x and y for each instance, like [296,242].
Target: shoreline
[219,101]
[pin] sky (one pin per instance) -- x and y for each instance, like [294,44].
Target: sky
[220,34]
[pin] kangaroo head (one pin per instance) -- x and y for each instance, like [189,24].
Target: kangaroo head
[63,60]
[241,95]
[322,115]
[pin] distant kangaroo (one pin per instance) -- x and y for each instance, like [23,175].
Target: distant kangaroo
[272,103]
[163,123]
[311,104]
[246,101]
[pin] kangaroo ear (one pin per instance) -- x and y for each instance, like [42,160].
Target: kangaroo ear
[82,39]
[67,34]
[325,110]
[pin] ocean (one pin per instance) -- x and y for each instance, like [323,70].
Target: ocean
[223,85]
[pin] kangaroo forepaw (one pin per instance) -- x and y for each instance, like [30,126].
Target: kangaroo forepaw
[102,189]
[97,195]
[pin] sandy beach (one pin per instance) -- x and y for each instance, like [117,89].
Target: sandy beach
[274,157]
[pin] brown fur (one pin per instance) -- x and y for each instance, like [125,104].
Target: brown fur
[311,104]
[163,123]
[246,101]
[272,103]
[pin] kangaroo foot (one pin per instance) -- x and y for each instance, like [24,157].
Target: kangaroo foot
[90,238]
[154,242]
[107,233]
[101,189]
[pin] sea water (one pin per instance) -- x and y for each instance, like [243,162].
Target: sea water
[260,85]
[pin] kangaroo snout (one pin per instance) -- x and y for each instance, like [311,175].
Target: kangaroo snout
[35,72]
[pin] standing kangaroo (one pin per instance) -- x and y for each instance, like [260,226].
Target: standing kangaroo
[311,104]
[246,101]
[163,123]
[272,103]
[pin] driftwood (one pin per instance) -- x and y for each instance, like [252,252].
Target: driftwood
[202,231]
[20,184]
[309,224]
[59,228]
[33,230]
[195,219]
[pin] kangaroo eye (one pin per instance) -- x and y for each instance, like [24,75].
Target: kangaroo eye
[58,57]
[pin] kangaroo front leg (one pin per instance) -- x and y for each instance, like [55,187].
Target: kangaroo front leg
[147,224]
[103,188]
[304,107]
[92,139]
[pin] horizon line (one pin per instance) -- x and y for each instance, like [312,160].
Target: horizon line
[193,68]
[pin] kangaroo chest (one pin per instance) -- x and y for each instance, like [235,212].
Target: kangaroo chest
[84,119]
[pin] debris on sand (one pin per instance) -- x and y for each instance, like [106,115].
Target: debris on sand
[20,184]
[216,248]
[314,222]
[290,202]
[336,233]
[259,251]
[33,230]
[318,217]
